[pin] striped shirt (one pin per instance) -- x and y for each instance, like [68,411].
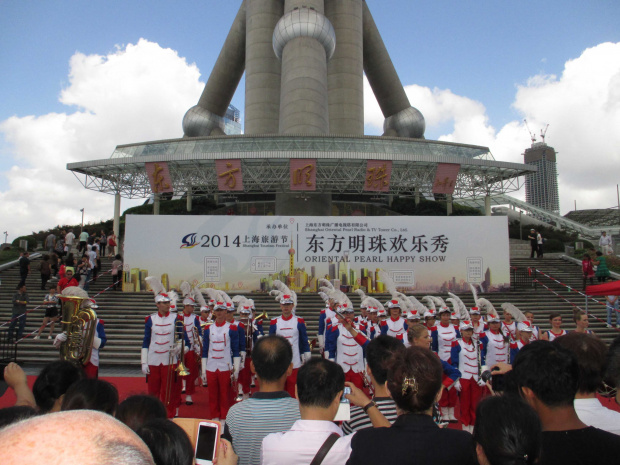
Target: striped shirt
[248,422]
[360,420]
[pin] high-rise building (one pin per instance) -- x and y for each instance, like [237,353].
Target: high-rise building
[541,188]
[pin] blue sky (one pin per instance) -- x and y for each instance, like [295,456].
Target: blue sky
[475,55]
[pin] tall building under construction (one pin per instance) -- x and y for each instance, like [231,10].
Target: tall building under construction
[541,187]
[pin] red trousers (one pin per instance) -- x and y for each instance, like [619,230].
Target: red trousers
[448,398]
[470,395]
[91,371]
[355,378]
[245,376]
[220,393]
[160,379]
[291,382]
[191,363]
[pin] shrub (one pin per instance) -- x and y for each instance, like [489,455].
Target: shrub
[32,242]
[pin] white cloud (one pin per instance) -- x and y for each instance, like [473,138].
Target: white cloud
[582,108]
[137,93]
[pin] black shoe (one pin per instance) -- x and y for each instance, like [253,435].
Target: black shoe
[189,403]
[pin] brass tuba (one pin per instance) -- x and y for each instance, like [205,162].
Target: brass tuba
[79,324]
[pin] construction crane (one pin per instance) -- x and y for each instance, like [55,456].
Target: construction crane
[543,132]
[532,135]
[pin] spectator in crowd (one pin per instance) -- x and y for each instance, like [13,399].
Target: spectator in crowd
[46,270]
[51,302]
[70,260]
[139,409]
[111,243]
[15,378]
[92,259]
[67,281]
[555,319]
[52,383]
[103,242]
[269,410]
[168,442]
[414,381]
[24,267]
[320,384]
[83,241]
[83,271]
[117,270]
[533,243]
[60,247]
[605,244]
[378,352]
[18,314]
[10,415]
[612,376]
[587,270]
[91,394]
[507,431]
[602,271]
[547,376]
[591,354]
[50,242]
[77,437]
[612,309]
[539,243]
[55,263]
[581,322]
[69,239]
[96,247]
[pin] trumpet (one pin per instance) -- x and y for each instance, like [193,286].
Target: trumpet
[79,324]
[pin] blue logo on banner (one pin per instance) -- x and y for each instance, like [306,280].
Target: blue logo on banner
[189,241]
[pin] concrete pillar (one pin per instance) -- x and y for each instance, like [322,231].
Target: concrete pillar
[155,204]
[345,70]
[449,204]
[303,37]
[262,67]
[417,197]
[189,199]
[117,220]
[487,205]
[223,81]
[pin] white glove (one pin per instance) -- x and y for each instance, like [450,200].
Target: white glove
[457,385]
[481,383]
[96,342]
[145,368]
[176,351]
[236,361]
[306,357]
[321,339]
[144,359]
[203,361]
[243,355]
[326,355]
[60,338]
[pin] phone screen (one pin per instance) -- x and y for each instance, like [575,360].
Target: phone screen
[205,444]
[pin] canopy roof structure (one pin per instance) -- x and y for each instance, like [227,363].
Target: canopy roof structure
[341,165]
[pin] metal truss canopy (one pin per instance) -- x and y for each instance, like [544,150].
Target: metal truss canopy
[341,165]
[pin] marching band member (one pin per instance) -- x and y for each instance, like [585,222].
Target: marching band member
[293,328]
[413,317]
[159,352]
[556,330]
[91,367]
[535,329]
[193,331]
[477,322]
[330,296]
[429,322]
[497,344]
[395,325]
[442,337]
[373,322]
[250,333]
[220,360]
[342,347]
[468,356]
[525,337]
[509,326]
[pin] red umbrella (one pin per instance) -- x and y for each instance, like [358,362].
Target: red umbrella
[612,288]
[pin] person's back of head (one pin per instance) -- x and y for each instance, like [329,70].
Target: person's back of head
[550,371]
[78,436]
[379,351]
[168,442]
[414,379]
[139,409]
[508,431]
[53,382]
[272,356]
[318,382]
[14,414]
[91,394]
[590,353]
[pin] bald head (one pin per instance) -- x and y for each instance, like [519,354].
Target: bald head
[73,437]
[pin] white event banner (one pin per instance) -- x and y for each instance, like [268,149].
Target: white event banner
[247,253]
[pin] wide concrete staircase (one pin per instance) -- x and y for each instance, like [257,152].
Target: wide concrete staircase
[124,313]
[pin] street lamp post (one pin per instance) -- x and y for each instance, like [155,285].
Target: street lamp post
[6,236]
[82,210]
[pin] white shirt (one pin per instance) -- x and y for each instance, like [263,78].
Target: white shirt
[299,445]
[592,413]
[604,240]
[69,238]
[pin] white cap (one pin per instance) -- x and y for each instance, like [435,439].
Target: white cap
[474,311]
[245,309]
[413,315]
[344,308]
[381,313]
[525,326]
[430,313]
[220,306]
[466,324]
[162,298]
[286,299]
[373,309]
[454,316]
[189,301]
[493,319]
[230,307]
[393,304]
[93,303]
[443,310]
